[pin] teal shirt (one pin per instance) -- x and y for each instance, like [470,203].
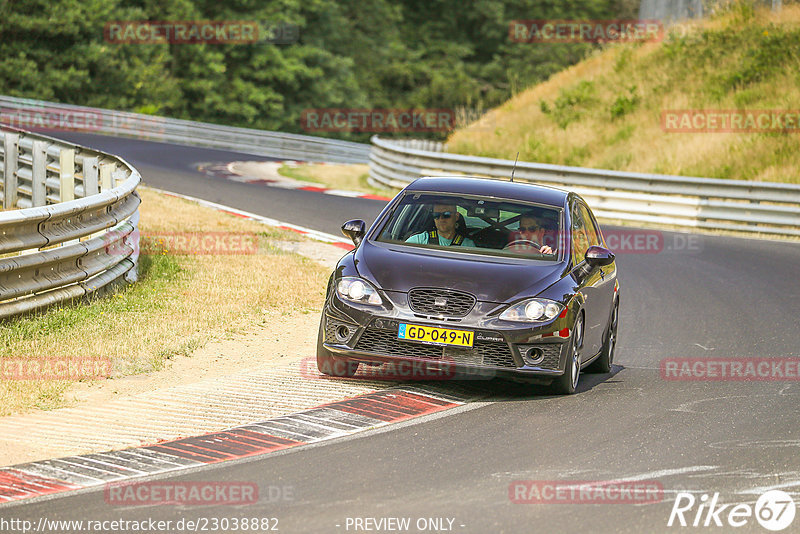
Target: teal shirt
[422,239]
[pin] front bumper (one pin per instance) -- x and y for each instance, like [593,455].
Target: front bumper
[500,349]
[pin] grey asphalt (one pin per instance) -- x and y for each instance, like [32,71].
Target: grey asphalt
[721,297]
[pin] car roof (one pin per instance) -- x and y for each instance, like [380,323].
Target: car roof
[472,185]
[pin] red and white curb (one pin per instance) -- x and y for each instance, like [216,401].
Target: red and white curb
[226,170]
[333,420]
[308,232]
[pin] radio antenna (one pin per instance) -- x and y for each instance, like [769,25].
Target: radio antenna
[515,166]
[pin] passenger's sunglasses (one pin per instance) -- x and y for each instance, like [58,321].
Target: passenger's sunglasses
[442,214]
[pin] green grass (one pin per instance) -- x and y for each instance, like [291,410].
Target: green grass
[158,274]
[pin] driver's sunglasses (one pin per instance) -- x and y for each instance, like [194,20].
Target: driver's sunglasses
[442,214]
[529,228]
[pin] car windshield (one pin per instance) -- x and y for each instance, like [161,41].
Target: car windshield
[506,228]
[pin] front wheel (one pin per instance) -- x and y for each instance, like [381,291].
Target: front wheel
[328,364]
[566,383]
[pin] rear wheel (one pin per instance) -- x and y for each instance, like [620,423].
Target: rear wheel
[329,364]
[606,358]
[566,383]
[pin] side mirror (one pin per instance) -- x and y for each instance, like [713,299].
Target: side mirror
[597,255]
[355,230]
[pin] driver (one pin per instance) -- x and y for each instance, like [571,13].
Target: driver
[532,229]
[445,217]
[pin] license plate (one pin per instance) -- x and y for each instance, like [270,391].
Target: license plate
[435,336]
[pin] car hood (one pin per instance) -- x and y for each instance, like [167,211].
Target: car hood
[398,268]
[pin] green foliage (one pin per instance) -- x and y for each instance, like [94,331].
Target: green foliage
[623,134]
[624,104]
[733,60]
[350,54]
[157,275]
[623,58]
[537,150]
[571,103]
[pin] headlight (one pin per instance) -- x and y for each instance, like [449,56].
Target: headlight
[355,289]
[532,310]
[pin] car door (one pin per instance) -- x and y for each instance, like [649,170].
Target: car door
[590,280]
[608,273]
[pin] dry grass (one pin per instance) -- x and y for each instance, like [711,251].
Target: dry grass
[695,73]
[179,304]
[336,176]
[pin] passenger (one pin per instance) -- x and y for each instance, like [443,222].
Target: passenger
[445,217]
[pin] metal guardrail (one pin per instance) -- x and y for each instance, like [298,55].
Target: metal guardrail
[69,225]
[36,114]
[764,207]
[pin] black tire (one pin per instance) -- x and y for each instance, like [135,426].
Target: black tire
[328,364]
[566,383]
[604,362]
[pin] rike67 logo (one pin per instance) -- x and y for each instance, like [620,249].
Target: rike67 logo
[774,510]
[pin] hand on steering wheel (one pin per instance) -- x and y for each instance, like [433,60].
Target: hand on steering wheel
[527,243]
[524,242]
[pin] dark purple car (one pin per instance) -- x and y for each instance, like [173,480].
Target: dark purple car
[466,277]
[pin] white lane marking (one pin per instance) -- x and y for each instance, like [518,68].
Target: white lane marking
[762,489]
[704,348]
[343,193]
[314,234]
[651,475]
[753,443]
[685,407]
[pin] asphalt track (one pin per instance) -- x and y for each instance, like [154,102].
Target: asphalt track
[716,297]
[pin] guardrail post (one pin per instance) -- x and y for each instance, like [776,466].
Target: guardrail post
[39,174]
[91,185]
[10,155]
[67,174]
[133,240]
[105,176]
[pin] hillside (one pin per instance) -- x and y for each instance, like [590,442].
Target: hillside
[606,111]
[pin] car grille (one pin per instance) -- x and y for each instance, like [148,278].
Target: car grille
[551,351]
[423,300]
[483,353]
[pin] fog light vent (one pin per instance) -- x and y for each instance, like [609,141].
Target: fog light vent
[532,355]
[544,355]
[342,333]
[338,332]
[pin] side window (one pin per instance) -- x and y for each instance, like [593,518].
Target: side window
[591,230]
[580,241]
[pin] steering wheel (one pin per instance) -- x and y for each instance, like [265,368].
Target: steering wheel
[524,242]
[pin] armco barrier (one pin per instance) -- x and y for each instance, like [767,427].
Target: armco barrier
[35,114]
[764,207]
[69,225]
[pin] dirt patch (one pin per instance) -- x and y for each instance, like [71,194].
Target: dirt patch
[278,339]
